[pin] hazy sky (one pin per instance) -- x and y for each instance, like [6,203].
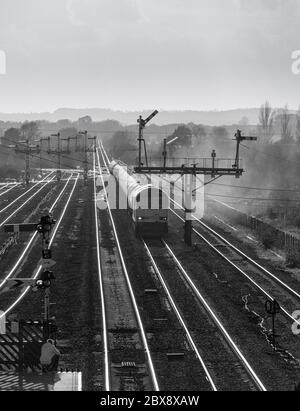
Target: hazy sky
[136,54]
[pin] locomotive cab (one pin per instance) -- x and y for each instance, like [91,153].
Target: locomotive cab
[150,211]
[147,204]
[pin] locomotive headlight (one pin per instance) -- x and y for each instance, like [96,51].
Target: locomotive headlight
[140,218]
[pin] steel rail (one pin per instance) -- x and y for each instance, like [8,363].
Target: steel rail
[32,238]
[26,192]
[103,308]
[245,256]
[9,189]
[35,276]
[25,202]
[264,292]
[104,152]
[134,302]
[217,322]
[180,318]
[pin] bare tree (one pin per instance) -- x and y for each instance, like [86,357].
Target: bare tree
[30,130]
[285,125]
[266,121]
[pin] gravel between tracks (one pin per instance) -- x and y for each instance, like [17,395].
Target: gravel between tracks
[240,308]
[75,298]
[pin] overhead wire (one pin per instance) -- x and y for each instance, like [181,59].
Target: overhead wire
[44,151]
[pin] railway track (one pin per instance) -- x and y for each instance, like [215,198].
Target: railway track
[74,296]
[4,186]
[21,213]
[172,346]
[128,363]
[268,284]
[22,200]
[27,262]
[224,365]
[7,188]
[250,295]
[215,363]
[254,293]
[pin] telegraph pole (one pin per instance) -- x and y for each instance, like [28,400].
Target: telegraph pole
[58,152]
[27,149]
[86,150]
[48,149]
[27,165]
[85,168]
[68,139]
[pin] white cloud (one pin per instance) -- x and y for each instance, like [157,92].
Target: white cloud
[174,48]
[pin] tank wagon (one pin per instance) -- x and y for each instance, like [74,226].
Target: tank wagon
[148,205]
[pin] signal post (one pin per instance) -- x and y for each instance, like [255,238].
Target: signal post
[86,150]
[189,172]
[44,228]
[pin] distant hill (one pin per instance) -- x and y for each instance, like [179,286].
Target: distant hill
[210,118]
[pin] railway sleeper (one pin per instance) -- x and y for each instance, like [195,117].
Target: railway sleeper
[151,291]
[175,356]
[123,330]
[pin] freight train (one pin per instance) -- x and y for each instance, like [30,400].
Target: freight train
[148,205]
